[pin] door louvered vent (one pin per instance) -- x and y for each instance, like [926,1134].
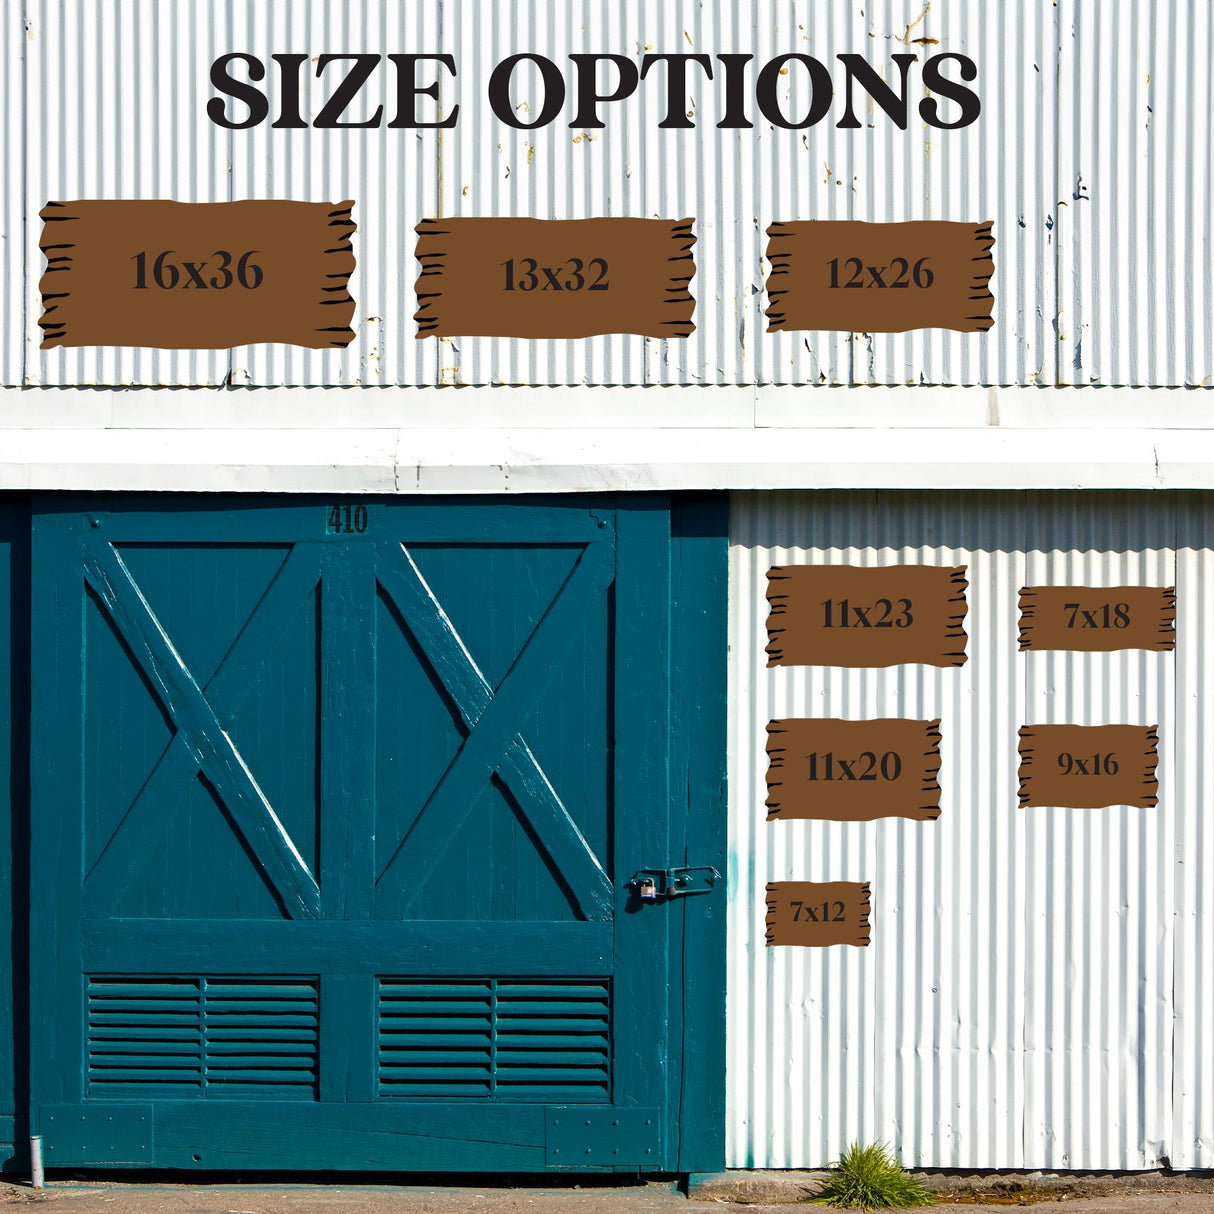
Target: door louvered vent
[214,1037]
[495,1039]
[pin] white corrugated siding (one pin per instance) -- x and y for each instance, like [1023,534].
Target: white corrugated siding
[1039,990]
[12,195]
[1135,206]
[114,108]
[1193,970]
[390,174]
[1092,156]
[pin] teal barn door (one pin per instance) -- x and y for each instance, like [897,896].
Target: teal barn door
[337,810]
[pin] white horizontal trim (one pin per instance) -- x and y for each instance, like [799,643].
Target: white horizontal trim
[449,460]
[525,408]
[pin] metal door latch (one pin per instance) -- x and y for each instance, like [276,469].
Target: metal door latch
[650,884]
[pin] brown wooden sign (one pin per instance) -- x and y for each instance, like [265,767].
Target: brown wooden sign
[846,615]
[197,276]
[880,277]
[1098,619]
[818,914]
[853,771]
[554,278]
[1089,766]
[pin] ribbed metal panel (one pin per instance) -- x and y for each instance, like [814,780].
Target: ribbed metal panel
[1193,969]
[12,194]
[1135,193]
[1016,1006]
[1001,168]
[1092,157]
[392,175]
[1097,892]
[113,109]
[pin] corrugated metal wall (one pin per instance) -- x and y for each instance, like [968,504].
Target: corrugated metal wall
[113,109]
[1039,986]
[13,252]
[1092,157]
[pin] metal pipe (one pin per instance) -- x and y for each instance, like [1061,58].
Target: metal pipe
[36,1177]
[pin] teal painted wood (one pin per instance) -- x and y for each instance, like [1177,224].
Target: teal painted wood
[589,885]
[381,1136]
[642,737]
[467,705]
[14,829]
[411,947]
[699,683]
[513,1039]
[348,750]
[493,743]
[211,746]
[57,631]
[148,817]
[171,1037]
[347,1058]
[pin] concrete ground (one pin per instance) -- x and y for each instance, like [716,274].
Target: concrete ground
[715,1195]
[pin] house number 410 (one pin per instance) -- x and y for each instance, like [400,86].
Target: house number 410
[347,520]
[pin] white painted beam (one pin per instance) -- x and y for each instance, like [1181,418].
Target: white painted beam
[451,460]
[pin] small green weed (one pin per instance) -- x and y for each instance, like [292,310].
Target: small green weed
[870,1178]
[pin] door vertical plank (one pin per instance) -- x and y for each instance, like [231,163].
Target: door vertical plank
[347,811]
[699,680]
[347,1038]
[57,1061]
[347,724]
[642,802]
[14,828]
